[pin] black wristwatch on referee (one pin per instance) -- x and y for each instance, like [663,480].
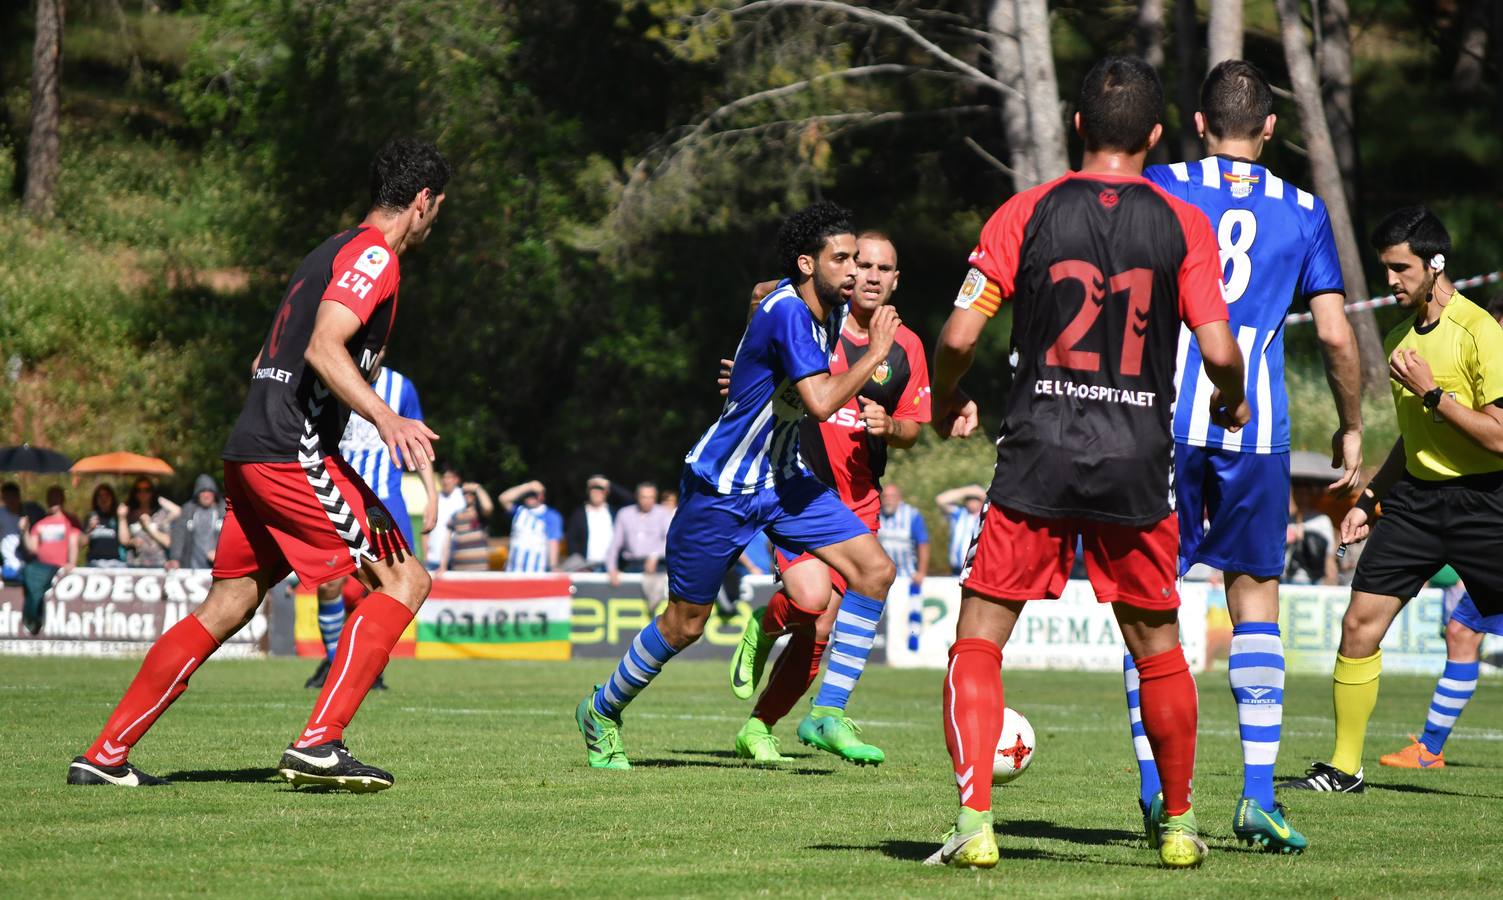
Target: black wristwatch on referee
[1431,399]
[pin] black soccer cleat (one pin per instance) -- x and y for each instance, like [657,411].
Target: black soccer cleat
[380,683]
[1325,777]
[83,772]
[330,765]
[316,680]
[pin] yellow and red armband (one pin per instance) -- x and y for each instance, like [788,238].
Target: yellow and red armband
[979,293]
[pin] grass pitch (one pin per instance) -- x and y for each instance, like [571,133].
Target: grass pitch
[492,795]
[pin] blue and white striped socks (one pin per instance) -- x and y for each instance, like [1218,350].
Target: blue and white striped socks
[330,624]
[850,645]
[1456,686]
[1255,669]
[1148,770]
[644,659]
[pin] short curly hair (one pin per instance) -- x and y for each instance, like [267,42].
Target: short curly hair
[804,233]
[402,168]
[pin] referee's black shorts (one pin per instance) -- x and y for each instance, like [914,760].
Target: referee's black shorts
[1430,524]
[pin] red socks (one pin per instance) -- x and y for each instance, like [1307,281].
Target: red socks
[364,646]
[1170,710]
[973,717]
[353,593]
[796,669]
[783,614]
[163,676]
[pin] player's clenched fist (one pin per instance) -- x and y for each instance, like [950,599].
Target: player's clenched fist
[882,330]
[1232,418]
[878,422]
[408,440]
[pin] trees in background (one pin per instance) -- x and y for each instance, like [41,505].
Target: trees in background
[39,182]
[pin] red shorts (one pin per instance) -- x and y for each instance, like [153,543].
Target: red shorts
[1023,557]
[320,522]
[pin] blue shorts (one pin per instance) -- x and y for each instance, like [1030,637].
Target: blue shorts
[397,506]
[1246,498]
[1466,613]
[710,529]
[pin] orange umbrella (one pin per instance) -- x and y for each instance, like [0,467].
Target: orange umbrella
[121,464]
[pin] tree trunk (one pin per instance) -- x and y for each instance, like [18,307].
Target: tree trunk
[38,198]
[1149,30]
[1045,117]
[1472,54]
[1186,39]
[1334,55]
[1007,64]
[1224,32]
[1327,175]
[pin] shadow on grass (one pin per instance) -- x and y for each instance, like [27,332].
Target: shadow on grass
[1035,828]
[918,851]
[228,776]
[715,764]
[1417,789]
[731,754]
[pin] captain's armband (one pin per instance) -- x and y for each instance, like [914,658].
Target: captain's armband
[979,293]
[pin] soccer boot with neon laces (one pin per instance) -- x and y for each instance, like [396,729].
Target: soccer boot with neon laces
[750,657]
[756,743]
[1153,816]
[602,736]
[1327,778]
[1414,756]
[1180,846]
[971,844]
[83,772]
[330,765]
[1255,826]
[830,730]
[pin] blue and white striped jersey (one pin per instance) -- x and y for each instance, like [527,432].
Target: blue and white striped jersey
[363,449]
[754,443]
[900,534]
[532,527]
[1276,246]
[963,527]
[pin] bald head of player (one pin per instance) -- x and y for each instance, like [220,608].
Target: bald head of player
[817,252]
[407,182]
[1236,110]
[1121,104]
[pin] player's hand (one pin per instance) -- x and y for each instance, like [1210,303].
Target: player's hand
[878,422]
[1225,416]
[1355,527]
[1346,453]
[408,440]
[959,421]
[430,517]
[882,331]
[1410,369]
[726,365]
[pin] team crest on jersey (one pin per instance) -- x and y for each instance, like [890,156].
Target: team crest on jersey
[970,289]
[1108,198]
[1241,185]
[373,261]
[378,521]
[883,374]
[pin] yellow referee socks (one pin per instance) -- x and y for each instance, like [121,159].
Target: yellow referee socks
[1356,693]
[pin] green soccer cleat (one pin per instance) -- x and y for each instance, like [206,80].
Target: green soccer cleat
[1256,826]
[602,736]
[756,743]
[829,729]
[971,844]
[750,657]
[1153,819]
[1180,846]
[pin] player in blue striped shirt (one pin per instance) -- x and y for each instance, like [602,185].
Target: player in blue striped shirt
[903,534]
[744,475]
[1276,247]
[962,507]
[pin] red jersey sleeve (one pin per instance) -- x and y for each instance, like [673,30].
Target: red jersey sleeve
[1200,298]
[994,261]
[364,275]
[914,402]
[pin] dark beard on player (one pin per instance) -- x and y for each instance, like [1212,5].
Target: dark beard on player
[828,292]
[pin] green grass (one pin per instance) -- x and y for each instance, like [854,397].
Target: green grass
[492,795]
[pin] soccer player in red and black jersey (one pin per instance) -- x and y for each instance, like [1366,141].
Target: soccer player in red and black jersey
[293,503]
[848,452]
[1101,267]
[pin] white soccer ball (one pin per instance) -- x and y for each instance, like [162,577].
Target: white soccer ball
[1014,748]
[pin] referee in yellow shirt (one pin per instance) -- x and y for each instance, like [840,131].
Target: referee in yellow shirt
[1441,487]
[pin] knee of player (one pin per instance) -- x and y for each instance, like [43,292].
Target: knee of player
[1460,637]
[882,571]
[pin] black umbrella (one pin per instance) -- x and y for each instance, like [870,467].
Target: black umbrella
[27,458]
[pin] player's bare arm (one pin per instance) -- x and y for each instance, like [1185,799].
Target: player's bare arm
[1485,426]
[430,488]
[406,439]
[1338,344]
[1223,363]
[516,492]
[1358,521]
[955,414]
[824,393]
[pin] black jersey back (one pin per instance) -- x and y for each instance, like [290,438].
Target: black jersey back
[289,413]
[1102,270]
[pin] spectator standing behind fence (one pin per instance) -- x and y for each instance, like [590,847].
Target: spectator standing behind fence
[536,528]
[904,536]
[592,526]
[641,536]
[150,518]
[12,548]
[469,543]
[450,501]
[54,542]
[106,530]
[195,534]
[962,508]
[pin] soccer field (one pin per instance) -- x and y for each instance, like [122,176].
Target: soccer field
[492,794]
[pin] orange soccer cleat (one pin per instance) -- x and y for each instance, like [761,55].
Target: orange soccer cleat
[1414,756]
